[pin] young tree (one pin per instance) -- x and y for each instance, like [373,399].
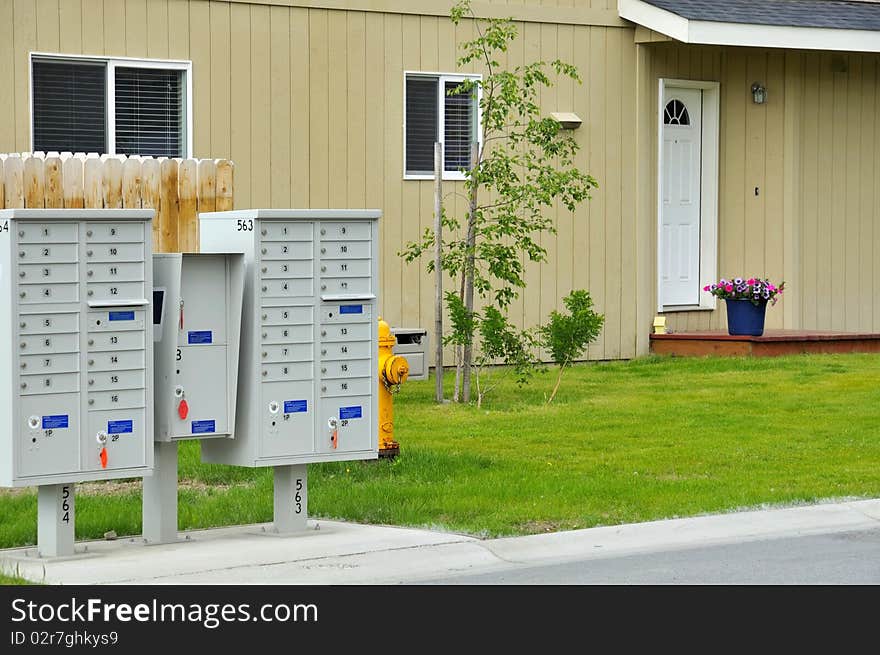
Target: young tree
[523,164]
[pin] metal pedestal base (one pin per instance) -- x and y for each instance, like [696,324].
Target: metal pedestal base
[290,499]
[55,520]
[160,496]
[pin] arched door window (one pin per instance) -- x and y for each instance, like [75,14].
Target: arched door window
[676,113]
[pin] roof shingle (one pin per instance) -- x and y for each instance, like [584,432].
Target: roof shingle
[835,14]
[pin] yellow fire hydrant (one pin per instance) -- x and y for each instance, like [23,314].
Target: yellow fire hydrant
[393,370]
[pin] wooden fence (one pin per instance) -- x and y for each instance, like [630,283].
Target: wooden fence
[178,189]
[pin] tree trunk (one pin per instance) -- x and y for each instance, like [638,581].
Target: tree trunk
[468,355]
[438,272]
[558,381]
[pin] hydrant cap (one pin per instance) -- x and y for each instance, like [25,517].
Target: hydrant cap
[385,336]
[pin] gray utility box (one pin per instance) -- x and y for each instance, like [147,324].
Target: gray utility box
[412,343]
[308,377]
[76,387]
[196,322]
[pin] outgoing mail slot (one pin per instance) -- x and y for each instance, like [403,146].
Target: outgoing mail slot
[29,294]
[345,231]
[115,379]
[49,383]
[116,320]
[345,332]
[355,350]
[41,364]
[55,253]
[286,268]
[286,250]
[288,334]
[349,312]
[47,232]
[298,231]
[47,323]
[107,341]
[116,272]
[287,371]
[38,273]
[287,315]
[102,291]
[345,249]
[288,352]
[124,399]
[116,361]
[346,285]
[49,343]
[115,252]
[286,288]
[345,369]
[113,232]
[346,387]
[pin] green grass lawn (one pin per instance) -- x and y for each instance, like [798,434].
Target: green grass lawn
[623,441]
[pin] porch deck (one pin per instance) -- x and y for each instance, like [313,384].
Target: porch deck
[771,344]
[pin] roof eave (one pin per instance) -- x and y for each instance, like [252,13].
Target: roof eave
[747,34]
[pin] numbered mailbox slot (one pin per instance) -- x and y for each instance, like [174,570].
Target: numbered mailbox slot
[287,315]
[288,352]
[345,332]
[360,231]
[297,231]
[48,343]
[30,294]
[60,253]
[115,272]
[286,250]
[302,334]
[347,350]
[47,232]
[49,383]
[108,341]
[286,269]
[354,419]
[345,268]
[355,285]
[115,252]
[115,379]
[287,371]
[346,387]
[41,273]
[116,361]
[286,288]
[42,364]
[124,399]
[347,313]
[98,291]
[347,368]
[114,232]
[124,427]
[48,323]
[345,249]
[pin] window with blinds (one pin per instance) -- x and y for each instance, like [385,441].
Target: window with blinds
[432,114]
[149,112]
[77,108]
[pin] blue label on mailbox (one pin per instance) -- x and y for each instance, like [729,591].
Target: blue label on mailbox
[350,412]
[294,406]
[55,422]
[351,309]
[118,427]
[121,316]
[201,427]
[201,336]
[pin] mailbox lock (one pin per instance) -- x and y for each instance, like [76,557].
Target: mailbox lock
[323,287]
[265,316]
[265,287]
[323,250]
[323,369]
[91,342]
[323,231]
[22,324]
[274,407]
[323,333]
[265,334]
[264,269]
[24,364]
[91,401]
[101,438]
[265,373]
[21,274]
[89,233]
[265,354]
[24,385]
[91,381]
[21,294]
[21,253]
[91,292]
[263,232]
[323,269]
[263,250]
[88,253]
[90,273]
[34,422]
[332,423]
[21,233]
[22,345]
[91,361]
[178,391]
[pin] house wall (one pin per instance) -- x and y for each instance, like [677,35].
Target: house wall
[306,98]
[813,151]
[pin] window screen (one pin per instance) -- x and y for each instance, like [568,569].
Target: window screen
[458,128]
[149,112]
[69,106]
[421,124]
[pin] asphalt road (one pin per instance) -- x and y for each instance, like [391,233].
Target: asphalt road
[838,558]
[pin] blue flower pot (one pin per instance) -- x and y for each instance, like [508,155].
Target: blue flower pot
[744,318]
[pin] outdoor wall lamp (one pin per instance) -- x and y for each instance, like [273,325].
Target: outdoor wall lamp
[759,94]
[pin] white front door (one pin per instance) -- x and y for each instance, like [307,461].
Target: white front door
[680,197]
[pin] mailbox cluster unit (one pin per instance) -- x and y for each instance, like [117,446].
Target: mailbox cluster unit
[75,384]
[308,361]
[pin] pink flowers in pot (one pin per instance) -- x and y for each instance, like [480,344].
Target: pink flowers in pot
[754,289]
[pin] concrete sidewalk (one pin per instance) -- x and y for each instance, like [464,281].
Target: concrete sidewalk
[332,552]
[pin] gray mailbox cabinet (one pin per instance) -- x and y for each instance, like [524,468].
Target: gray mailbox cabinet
[412,343]
[308,375]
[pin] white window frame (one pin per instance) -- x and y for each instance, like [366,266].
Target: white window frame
[442,78]
[110,89]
